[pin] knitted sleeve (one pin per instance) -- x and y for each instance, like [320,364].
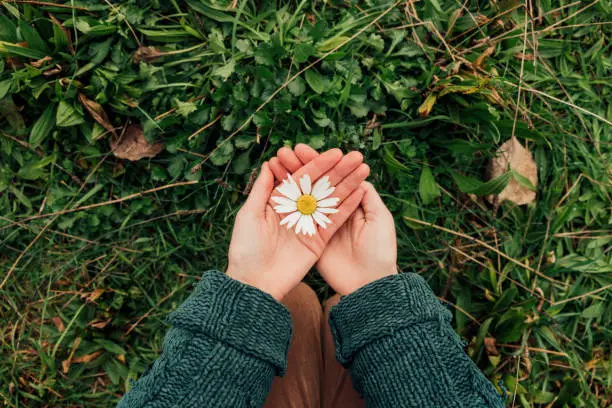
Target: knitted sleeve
[395,338]
[226,344]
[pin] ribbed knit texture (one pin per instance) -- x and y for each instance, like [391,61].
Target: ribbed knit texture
[395,338]
[227,342]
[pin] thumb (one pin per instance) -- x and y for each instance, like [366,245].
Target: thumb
[373,206]
[261,191]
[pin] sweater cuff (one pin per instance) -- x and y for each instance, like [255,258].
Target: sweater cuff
[238,315]
[380,309]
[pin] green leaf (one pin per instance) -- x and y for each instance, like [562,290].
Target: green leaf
[522,180]
[303,51]
[297,87]
[226,70]
[110,346]
[594,311]
[185,108]
[471,185]
[5,87]
[31,36]
[544,397]
[177,164]
[67,115]
[505,299]
[8,30]
[376,139]
[242,163]
[428,189]
[43,126]
[20,196]
[315,81]
[222,154]
[14,50]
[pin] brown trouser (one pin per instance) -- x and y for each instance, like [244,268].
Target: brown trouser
[314,378]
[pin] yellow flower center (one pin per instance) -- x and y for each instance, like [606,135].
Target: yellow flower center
[307,204]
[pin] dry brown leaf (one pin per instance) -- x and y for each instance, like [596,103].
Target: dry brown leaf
[133,146]
[66,363]
[99,324]
[147,54]
[512,154]
[87,358]
[41,62]
[57,69]
[97,112]
[526,57]
[92,296]
[59,325]
[490,343]
[479,62]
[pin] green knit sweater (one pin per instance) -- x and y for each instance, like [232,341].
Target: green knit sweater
[228,341]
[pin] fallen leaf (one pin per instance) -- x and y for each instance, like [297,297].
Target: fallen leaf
[41,62]
[97,112]
[66,363]
[512,155]
[92,296]
[147,54]
[87,358]
[427,105]
[121,357]
[133,146]
[489,343]
[59,325]
[99,324]
[479,62]
[53,71]
[526,57]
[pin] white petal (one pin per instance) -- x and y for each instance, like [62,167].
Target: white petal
[317,217]
[282,209]
[289,189]
[291,219]
[300,224]
[327,210]
[325,193]
[328,202]
[284,201]
[321,219]
[308,226]
[306,184]
[320,186]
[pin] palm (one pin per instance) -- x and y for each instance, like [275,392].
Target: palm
[341,261]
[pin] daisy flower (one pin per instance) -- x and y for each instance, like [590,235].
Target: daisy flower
[306,204]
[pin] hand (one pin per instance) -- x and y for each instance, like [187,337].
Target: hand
[365,248]
[272,258]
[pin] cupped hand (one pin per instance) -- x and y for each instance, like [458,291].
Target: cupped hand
[364,249]
[271,257]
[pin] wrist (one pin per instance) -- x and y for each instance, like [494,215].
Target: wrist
[368,277]
[256,280]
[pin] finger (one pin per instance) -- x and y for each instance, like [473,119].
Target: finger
[305,153]
[371,202]
[352,182]
[280,172]
[288,159]
[319,166]
[262,188]
[347,165]
[345,210]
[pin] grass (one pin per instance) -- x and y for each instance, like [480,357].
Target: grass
[96,250]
